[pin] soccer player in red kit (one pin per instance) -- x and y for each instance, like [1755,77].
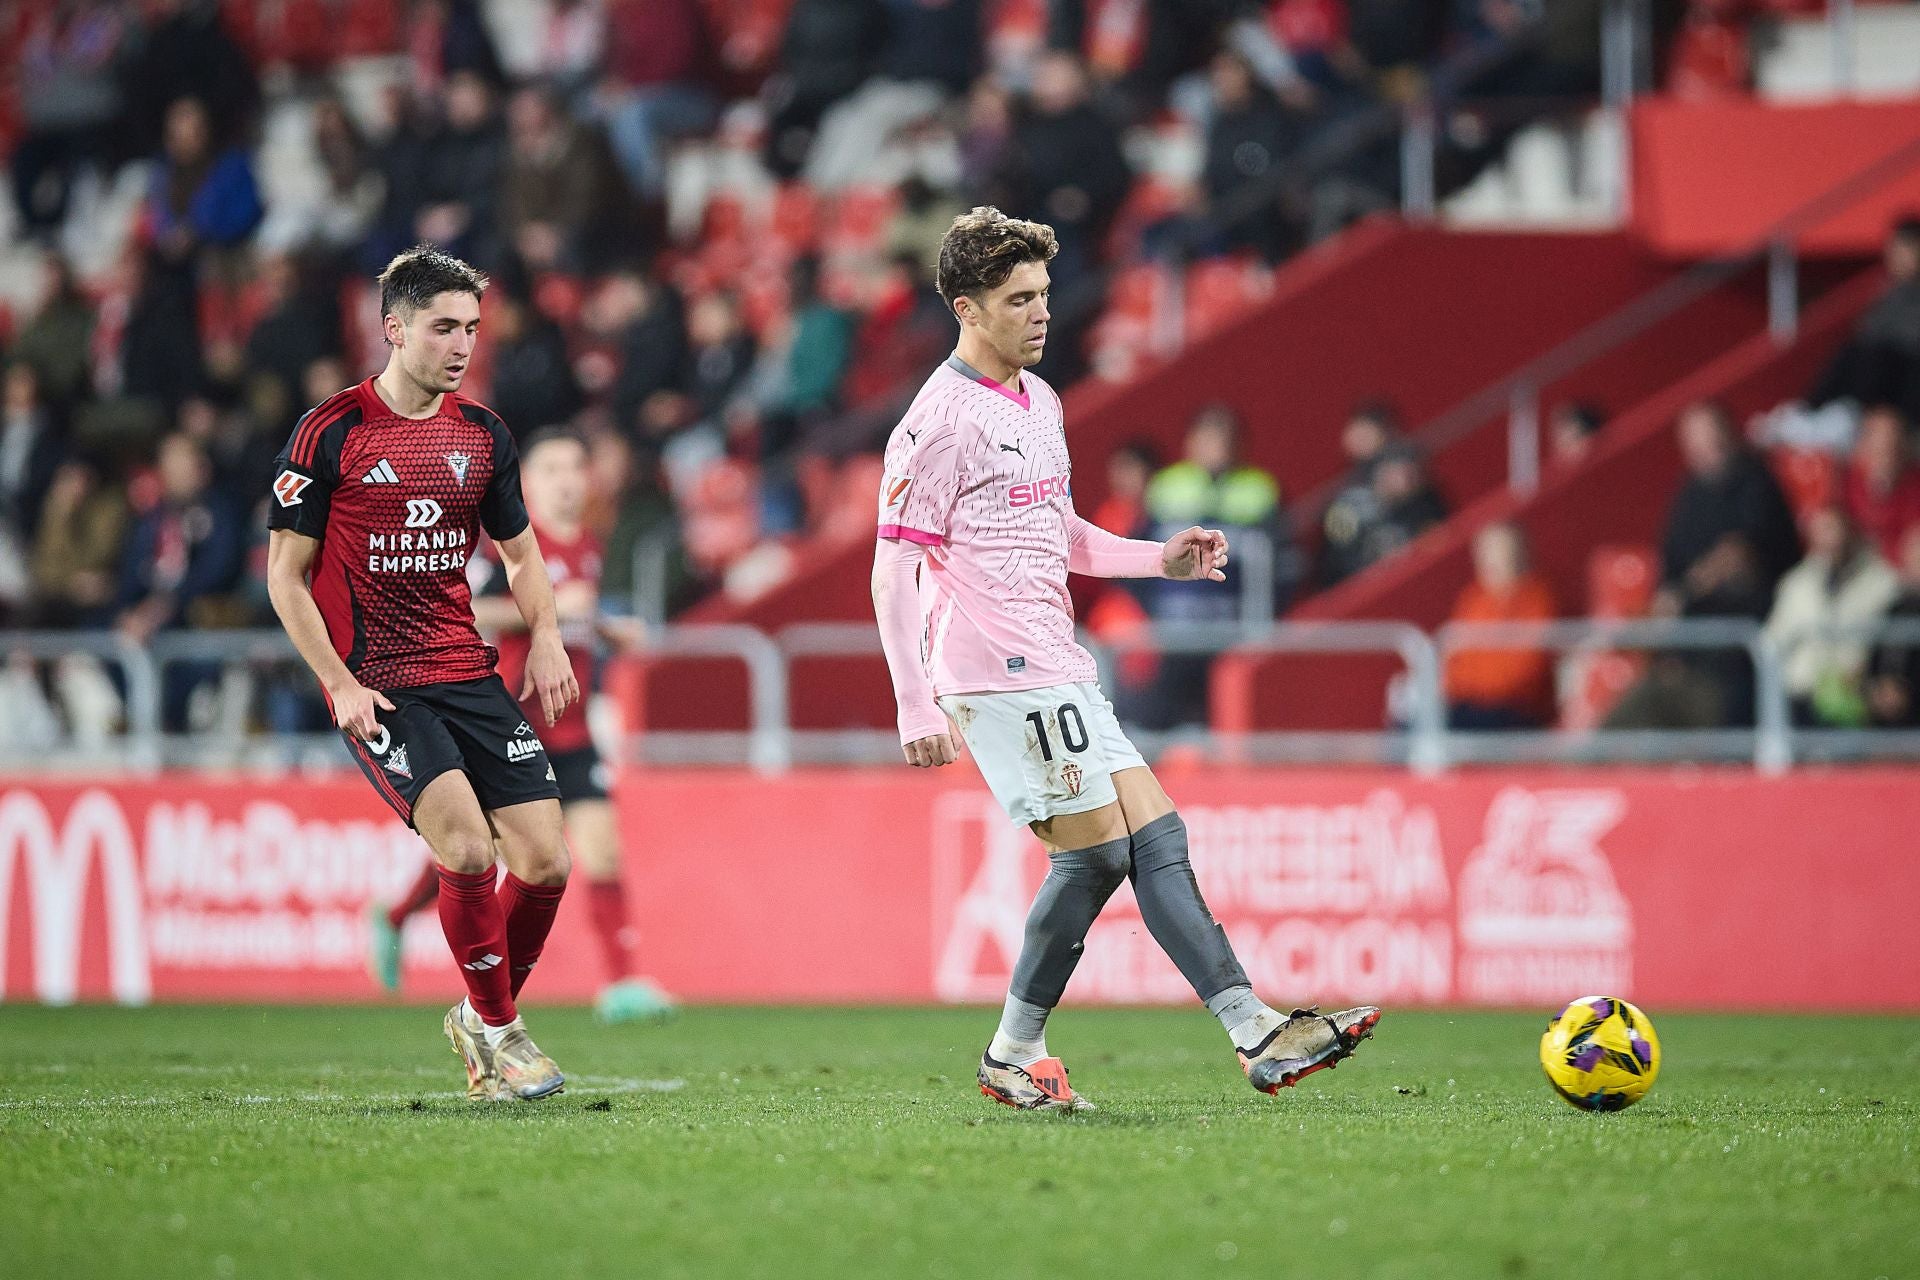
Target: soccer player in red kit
[378,500]
[553,477]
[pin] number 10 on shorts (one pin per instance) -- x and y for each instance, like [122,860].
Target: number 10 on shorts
[1073,730]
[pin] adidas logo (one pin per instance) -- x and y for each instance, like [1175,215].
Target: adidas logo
[381,474]
[521,748]
[397,762]
[484,963]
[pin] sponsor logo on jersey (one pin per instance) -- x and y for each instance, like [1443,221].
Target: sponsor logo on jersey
[397,762]
[449,548]
[1033,493]
[382,473]
[287,487]
[422,513]
[519,749]
[457,462]
[896,490]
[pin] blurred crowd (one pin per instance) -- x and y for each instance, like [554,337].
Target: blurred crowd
[710,225]
[709,222]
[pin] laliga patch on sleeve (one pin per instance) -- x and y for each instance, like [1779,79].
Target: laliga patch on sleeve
[288,486]
[893,492]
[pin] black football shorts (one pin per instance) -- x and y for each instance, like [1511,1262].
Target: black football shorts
[474,726]
[582,775]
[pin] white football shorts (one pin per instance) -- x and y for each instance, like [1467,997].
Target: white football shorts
[1044,752]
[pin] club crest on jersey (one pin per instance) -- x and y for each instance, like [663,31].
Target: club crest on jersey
[287,487]
[1033,493]
[457,462]
[397,762]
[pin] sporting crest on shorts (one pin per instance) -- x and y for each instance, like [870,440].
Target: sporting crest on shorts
[1072,775]
[457,462]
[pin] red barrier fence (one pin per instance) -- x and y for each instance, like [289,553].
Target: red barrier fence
[1687,888]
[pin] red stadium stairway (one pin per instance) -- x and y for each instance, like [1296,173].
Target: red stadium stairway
[1618,496]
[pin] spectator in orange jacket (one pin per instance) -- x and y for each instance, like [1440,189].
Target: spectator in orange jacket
[1501,688]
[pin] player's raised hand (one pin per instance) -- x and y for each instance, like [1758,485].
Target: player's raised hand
[931,752]
[355,709]
[550,674]
[1196,553]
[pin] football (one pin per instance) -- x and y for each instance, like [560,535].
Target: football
[1600,1053]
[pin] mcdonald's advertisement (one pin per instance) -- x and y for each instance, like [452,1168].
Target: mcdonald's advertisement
[1504,888]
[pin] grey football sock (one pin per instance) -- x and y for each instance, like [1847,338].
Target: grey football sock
[1077,885]
[1176,914]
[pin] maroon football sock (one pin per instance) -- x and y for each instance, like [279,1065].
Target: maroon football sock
[477,935]
[425,890]
[528,910]
[607,909]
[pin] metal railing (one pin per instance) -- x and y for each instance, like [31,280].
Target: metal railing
[239,667]
[1420,744]
[1767,744]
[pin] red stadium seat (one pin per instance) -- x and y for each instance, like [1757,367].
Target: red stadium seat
[849,508]
[1620,581]
[559,296]
[1219,291]
[1710,60]
[1810,479]
[1592,683]
[796,218]
[860,220]
[722,515]
[1620,585]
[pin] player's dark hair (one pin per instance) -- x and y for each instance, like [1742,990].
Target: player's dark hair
[981,249]
[419,275]
[548,435]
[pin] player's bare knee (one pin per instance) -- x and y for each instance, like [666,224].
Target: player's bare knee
[466,852]
[546,864]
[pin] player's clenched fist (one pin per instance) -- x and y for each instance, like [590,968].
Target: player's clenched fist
[550,675]
[354,709]
[931,752]
[1196,553]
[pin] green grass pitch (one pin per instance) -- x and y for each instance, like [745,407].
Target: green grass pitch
[839,1143]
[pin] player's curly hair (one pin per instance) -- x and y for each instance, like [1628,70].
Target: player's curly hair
[418,275]
[981,249]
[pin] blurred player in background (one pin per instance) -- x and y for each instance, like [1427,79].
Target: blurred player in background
[977,535]
[553,476]
[378,500]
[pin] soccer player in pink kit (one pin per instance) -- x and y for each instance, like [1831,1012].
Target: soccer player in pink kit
[977,534]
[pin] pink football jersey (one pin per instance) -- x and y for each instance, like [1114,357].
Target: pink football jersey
[979,476]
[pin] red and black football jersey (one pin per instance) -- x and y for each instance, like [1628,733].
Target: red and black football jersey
[396,504]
